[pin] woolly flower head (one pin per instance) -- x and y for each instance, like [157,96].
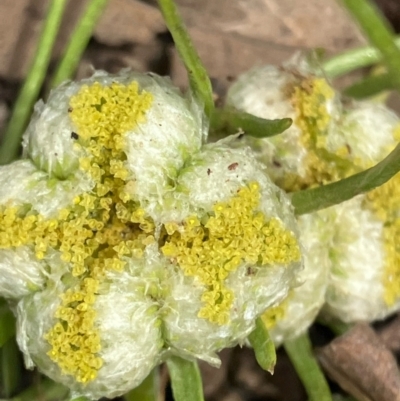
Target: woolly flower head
[127,240]
[364,281]
[327,141]
[297,90]
[330,140]
[297,312]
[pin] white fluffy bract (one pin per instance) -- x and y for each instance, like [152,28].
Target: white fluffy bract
[356,291]
[215,175]
[367,129]
[266,92]
[305,301]
[128,326]
[20,272]
[21,184]
[262,92]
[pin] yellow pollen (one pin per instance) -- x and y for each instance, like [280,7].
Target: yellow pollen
[384,202]
[310,98]
[97,231]
[236,233]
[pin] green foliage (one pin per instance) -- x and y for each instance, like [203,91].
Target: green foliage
[78,41]
[263,346]
[32,84]
[324,196]
[199,80]
[229,120]
[370,86]
[185,379]
[379,33]
[300,353]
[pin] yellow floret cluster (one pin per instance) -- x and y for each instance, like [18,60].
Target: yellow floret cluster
[235,233]
[98,231]
[384,203]
[309,99]
[105,231]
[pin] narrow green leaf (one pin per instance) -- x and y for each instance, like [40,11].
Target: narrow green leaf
[7,324]
[198,78]
[263,346]
[33,82]
[148,390]
[300,353]
[369,86]
[44,390]
[336,326]
[78,41]
[185,379]
[310,200]
[379,34]
[10,367]
[353,59]
[228,121]
[79,399]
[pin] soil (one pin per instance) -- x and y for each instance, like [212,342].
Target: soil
[231,37]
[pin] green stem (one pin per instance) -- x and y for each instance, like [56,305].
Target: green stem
[379,34]
[300,353]
[45,390]
[263,346]
[311,200]
[79,399]
[33,82]
[7,324]
[353,59]
[148,389]
[198,78]
[78,41]
[369,86]
[228,121]
[185,379]
[10,367]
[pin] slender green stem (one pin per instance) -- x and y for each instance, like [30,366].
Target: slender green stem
[45,390]
[33,82]
[79,399]
[310,200]
[78,41]
[228,121]
[199,81]
[300,353]
[10,367]
[7,324]
[263,346]
[379,34]
[353,59]
[185,379]
[369,86]
[148,390]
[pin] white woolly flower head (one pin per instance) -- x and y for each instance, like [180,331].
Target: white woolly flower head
[123,345]
[297,90]
[232,256]
[154,130]
[365,134]
[145,230]
[364,280]
[297,312]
